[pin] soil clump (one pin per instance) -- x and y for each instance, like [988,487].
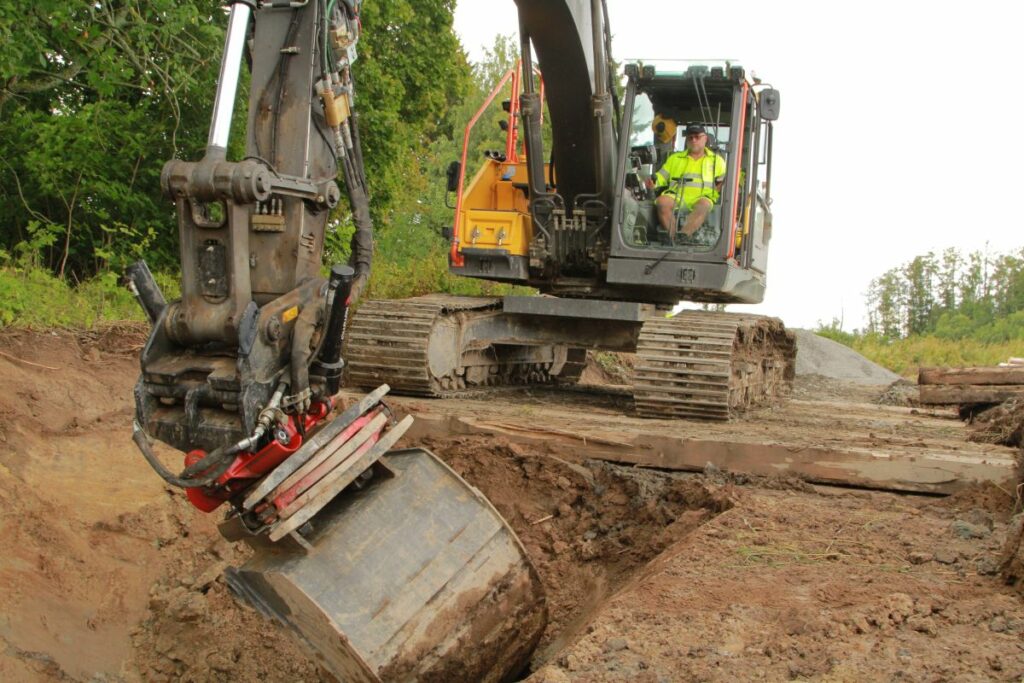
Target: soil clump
[1002,424]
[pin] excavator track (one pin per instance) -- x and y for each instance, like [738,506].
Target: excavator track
[397,342]
[711,366]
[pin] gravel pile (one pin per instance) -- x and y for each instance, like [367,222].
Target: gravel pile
[820,356]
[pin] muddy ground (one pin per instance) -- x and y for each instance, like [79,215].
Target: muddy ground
[107,575]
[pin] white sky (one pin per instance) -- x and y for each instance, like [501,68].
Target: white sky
[898,132]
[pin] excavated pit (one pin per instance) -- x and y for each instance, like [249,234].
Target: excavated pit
[588,527]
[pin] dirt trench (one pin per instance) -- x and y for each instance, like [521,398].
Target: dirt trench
[113,576]
[587,528]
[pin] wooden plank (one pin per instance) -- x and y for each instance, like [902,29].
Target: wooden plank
[313,444]
[927,470]
[328,458]
[953,394]
[975,375]
[314,499]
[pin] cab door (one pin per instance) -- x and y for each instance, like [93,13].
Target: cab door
[760,202]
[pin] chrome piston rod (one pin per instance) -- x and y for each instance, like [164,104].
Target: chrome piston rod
[227,81]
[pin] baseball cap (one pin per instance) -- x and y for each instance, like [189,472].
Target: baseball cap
[694,129]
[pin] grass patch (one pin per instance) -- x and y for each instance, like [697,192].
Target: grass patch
[427,275]
[907,356]
[33,298]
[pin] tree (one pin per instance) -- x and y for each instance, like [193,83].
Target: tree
[979,297]
[919,276]
[948,279]
[411,75]
[94,97]
[887,304]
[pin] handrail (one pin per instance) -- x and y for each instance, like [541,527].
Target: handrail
[512,135]
[511,143]
[736,180]
[454,256]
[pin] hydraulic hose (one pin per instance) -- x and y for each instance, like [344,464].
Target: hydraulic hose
[219,458]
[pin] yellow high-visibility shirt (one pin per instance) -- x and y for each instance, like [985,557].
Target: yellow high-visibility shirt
[690,179]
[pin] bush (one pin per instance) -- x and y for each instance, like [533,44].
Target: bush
[33,297]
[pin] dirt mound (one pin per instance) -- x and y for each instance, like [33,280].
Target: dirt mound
[1011,560]
[900,393]
[608,368]
[1002,424]
[820,356]
[195,629]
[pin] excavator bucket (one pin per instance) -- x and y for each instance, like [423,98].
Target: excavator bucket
[414,577]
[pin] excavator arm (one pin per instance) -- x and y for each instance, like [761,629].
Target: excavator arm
[254,307]
[385,564]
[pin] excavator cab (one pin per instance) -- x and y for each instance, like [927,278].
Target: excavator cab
[725,260]
[583,221]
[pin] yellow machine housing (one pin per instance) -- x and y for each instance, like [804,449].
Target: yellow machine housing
[495,211]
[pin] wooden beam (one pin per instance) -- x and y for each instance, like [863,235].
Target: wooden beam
[923,470]
[952,394]
[977,375]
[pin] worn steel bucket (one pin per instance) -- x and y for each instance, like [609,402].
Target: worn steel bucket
[414,578]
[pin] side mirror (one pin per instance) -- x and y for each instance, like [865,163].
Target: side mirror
[453,176]
[769,100]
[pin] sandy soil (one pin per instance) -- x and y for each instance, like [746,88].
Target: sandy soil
[109,576]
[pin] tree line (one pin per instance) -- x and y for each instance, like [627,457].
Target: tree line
[951,295]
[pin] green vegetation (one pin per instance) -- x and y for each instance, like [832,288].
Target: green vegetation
[33,297]
[95,97]
[948,310]
[951,296]
[905,356]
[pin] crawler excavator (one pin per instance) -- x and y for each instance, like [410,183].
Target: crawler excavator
[579,223]
[384,563]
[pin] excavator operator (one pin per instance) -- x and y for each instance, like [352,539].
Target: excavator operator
[690,182]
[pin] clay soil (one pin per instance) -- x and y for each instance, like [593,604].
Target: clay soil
[108,575]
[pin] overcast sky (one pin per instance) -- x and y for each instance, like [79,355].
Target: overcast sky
[900,130]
